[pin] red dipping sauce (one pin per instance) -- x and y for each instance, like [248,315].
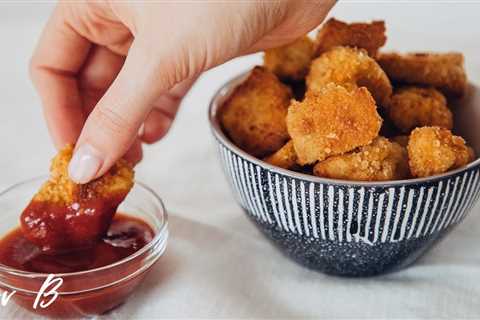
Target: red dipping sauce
[82,293]
[58,228]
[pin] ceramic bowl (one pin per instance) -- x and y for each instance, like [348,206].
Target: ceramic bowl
[351,228]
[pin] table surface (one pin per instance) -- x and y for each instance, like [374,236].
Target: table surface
[217,263]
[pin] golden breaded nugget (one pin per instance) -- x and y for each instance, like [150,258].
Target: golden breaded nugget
[351,68]
[66,216]
[332,121]
[412,107]
[434,150]
[290,61]
[465,157]
[369,36]
[285,157]
[61,190]
[254,115]
[445,71]
[379,161]
[401,140]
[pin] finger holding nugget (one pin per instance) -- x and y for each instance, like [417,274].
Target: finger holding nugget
[64,215]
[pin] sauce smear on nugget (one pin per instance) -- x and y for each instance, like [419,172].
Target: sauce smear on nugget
[65,216]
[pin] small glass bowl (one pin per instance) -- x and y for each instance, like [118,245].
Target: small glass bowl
[91,292]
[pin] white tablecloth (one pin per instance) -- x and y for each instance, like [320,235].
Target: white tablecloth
[217,264]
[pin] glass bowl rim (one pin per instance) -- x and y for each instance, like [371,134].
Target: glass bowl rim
[213,111]
[159,237]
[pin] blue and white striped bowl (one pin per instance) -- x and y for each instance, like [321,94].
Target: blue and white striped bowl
[346,227]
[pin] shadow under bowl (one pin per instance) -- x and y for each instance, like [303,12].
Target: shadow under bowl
[351,228]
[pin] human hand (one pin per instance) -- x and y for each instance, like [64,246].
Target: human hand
[111,75]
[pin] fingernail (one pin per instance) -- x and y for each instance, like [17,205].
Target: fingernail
[85,164]
[141,130]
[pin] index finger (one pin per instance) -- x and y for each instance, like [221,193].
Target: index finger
[59,55]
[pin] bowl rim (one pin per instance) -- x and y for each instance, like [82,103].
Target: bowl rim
[160,237]
[218,133]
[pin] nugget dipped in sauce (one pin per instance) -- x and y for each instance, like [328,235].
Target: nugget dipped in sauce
[254,115]
[332,121]
[65,216]
[434,150]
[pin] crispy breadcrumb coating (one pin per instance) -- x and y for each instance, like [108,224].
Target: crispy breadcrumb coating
[285,157]
[290,61]
[445,71]
[369,36]
[332,121]
[412,107]
[434,150]
[66,216]
[63,191]
[351,68]
[254,114]
[379,161]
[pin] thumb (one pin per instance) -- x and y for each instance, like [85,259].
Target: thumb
[112,126]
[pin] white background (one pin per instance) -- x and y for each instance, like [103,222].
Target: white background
[217,264]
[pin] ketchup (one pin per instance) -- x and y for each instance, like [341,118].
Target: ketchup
[125,236]
[58,228]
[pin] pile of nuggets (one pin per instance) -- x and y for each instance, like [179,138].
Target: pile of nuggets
[336,107]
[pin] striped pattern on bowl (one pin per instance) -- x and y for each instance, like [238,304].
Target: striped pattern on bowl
[333,215]
[332,212]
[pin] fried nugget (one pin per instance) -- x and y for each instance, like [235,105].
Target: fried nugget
[445,71]
[412,107]
[369,36]
[290,61]
[66,216]
[285,157]
[434,150]
[254,114]
[332,121]
[351,68]
[379,161]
